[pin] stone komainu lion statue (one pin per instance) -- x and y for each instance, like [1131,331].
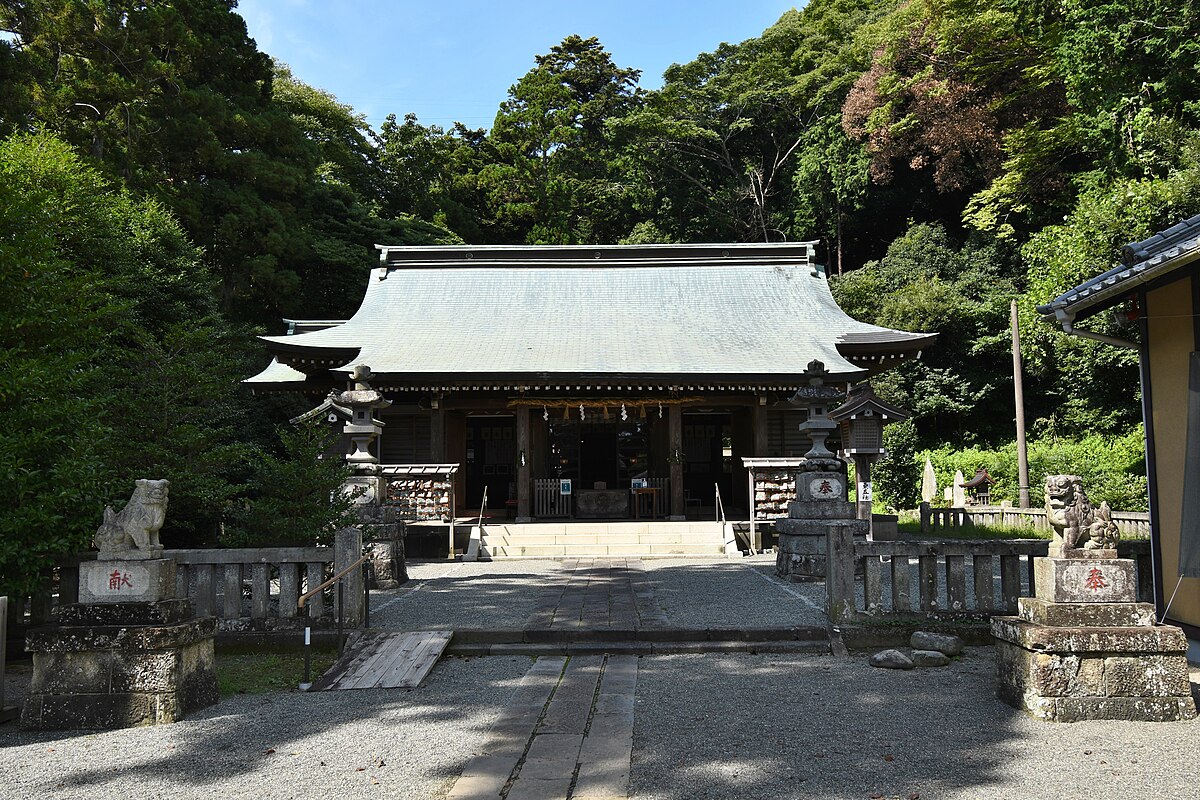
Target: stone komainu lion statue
[1077,524]
[133,533]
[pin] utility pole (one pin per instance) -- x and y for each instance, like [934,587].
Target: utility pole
[1019,392]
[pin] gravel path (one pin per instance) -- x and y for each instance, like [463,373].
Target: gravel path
[370,743]
[736,727]
[780,726]
[732,593]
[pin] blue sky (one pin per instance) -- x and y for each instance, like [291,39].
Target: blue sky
[455,59]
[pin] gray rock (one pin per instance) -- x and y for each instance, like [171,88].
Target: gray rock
[929,658]
[942,642]
[891,659]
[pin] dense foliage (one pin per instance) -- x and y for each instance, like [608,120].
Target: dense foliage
[167,186]
[1113,468]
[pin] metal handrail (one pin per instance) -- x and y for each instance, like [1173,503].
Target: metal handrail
[720,509]
[339,579]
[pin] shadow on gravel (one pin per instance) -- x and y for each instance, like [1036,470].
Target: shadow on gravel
[288,742]
[504,598]
[745,727]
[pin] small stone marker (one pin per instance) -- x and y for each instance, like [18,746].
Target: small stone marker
[940,642]
[958,493]
[891,659]
[929,658]
[928,482]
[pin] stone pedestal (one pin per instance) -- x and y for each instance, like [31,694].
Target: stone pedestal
[1083,648]
[118,665]
[820,506]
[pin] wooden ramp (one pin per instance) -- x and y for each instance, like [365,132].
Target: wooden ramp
[378,660]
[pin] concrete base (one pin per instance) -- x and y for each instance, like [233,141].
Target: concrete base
[119,665]
[1067,674]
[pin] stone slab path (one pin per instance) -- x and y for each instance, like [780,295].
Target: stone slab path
[566,733]
[598,594]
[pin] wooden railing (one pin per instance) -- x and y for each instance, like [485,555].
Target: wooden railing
[1131,524]
[952,579]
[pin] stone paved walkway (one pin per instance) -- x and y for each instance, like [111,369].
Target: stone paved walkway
[599,594]
[603,594]
[566,732]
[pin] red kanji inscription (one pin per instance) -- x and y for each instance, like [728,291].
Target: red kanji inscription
[1095,580]
[825,488]
[117,580]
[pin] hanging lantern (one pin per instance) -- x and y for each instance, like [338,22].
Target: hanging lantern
[624,413]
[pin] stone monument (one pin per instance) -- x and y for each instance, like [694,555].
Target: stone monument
[1083,647]
[128,653]
[822,497]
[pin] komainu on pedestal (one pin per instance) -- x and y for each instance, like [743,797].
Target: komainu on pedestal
[1083,647]
[129,653]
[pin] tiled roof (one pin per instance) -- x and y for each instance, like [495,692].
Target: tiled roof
[276,373]
[1140,262]
[713,310]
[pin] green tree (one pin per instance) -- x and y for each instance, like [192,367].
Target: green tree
[296,497]
[928,282]
[556,178]
[56,323]
[116,362]
[897,475]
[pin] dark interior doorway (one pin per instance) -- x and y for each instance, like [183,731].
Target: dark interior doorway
[707,456]
[612,453]
[491,460]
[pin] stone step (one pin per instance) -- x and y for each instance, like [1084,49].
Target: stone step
[602,539]
[603,528]
[591,550]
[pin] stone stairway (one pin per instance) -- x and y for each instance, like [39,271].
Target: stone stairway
[600,538]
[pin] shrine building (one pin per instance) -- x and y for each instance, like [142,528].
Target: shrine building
[588,381]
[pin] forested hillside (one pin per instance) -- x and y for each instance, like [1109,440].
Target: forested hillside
[168,190]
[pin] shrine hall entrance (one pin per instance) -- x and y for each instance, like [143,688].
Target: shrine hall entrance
[491,461]
[611,453]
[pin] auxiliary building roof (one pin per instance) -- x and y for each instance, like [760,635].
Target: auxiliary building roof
[534,314]
[1141,263]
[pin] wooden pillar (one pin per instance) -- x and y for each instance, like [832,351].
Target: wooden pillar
[760,429]
[675,459]
[437,436]
[524,467]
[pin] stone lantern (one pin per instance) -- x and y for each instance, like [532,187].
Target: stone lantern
[821,505]
[363,429]
[860,421]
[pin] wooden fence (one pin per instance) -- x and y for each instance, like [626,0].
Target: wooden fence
[952,579]
[550,503]
[245,588]
[1131,524]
